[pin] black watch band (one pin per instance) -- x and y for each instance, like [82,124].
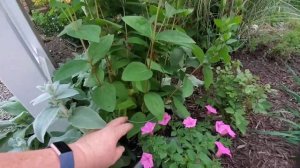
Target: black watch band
[64,153]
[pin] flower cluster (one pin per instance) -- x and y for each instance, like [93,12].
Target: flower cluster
[189,122]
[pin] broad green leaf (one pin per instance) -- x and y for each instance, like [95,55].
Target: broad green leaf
[137,40]
[208,76]
[170,10]
[104,22]
[97,51]
[198,52]
[43,121]
[122,91]
[140,24]
[143,86]
[187,87]
[86,118]
[92,79]
[173,36]
[155,104]
[156,66]
[129,103]
[70,68]
[181,110]
[136,71]
[195,81]
[177,57]
[105,97]
[68,137]
[138,120]
[86,32]
[12,107]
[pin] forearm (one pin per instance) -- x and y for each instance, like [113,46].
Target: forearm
[45,158]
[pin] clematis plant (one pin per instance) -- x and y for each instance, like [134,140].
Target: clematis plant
[224,129]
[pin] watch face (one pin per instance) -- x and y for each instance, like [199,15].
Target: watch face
[62,147]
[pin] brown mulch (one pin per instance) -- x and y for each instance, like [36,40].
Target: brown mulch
[4,92]
[261,151]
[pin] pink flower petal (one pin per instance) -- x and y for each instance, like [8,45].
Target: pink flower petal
[189,122]
[211,109]
[222,150]
[148,128]
[147,160]
[224,129]
[165,120]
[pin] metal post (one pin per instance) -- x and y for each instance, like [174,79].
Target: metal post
[24,64]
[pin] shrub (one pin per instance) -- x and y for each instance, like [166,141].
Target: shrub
[235,93]
[49,23]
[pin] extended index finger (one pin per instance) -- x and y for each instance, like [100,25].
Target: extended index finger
[122,130]
[117,121]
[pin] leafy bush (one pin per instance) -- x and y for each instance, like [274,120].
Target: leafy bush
[192,147]
[235,93]
[49,23]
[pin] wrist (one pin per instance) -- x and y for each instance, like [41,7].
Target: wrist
[79,156]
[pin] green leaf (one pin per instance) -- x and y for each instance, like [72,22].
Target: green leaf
[92,79]
[208,76]
[122,91]
[137,40]
[97,51]
[187,87]
[198,52]
[129,103]
[43,121]
[205,159]
[155,104]
[136,71]
[68,137]
[173,36]
[181,110]
[177,57]
[86,118]
[105,97]
[104,22]
[12,107]
[140,24]
[71,68]
[155,66]
[170,10]
[86,32]
[143,86]
[138,120]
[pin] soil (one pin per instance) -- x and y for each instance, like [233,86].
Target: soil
[4,92]
[262,151]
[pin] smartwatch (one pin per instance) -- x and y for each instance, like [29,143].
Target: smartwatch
[64,153]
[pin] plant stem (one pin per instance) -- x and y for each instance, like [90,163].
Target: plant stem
[109,69]
[150,56]
[177,88]
[96,7]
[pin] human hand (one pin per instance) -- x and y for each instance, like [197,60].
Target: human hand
[99,149]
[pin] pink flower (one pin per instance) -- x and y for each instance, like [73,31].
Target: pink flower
[165,120]
[211,109]
[222,150]
[189,122]
[148,128]
[224,129]
[147,160]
